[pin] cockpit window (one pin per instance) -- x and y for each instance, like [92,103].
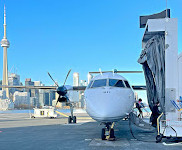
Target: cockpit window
[127,84]
[116,83]
[99,83]
[89,84]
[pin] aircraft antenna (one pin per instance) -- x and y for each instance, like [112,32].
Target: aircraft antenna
[166,8]
[114,71]
[100,71]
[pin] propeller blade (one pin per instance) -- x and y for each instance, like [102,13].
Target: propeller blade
[67,76]
[56,103]
[57,100]
[52,79]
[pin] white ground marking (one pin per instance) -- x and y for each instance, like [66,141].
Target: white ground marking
[171,144]
[119,142]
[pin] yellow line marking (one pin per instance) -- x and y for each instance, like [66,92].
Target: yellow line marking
[84,118]
[112,125]
[62,114]
[81,118]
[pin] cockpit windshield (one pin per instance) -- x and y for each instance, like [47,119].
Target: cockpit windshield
[127,84]
[116,83]
[108,82]
[99,83]
[89,85]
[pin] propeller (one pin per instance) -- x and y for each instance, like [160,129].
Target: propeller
[67,77]
[53,79]
[61,90]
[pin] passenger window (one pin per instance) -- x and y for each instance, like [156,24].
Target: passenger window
[116,83]
[89,84]
[127,84]
[99,83]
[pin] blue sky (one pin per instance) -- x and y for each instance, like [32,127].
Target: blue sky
[84,35]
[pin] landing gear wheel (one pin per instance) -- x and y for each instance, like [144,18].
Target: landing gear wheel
[103,136]
[158,138]
[74,119]
[112,133]
[69,119]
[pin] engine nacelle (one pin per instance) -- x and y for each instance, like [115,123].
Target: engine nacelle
[62,99]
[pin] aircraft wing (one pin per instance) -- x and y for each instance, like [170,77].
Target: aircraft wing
[139,87]
[96,72]
[79,88]
[135,87]
[75,88]
[29,87]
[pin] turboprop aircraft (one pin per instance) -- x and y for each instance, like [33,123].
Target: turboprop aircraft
[109,98]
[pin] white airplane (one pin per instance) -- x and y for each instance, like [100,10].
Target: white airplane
[109,98]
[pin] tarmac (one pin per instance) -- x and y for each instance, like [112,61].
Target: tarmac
[20,132]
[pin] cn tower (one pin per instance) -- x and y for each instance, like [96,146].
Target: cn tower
[5,44]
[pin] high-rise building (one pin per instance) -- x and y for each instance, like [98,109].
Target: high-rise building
[41,96]
[83,83]
[1,84]
[28,82]
[46,98]
[81,94]
[13,79]
[89,77]
[52,96]
[37,93]
[5,44]
[2,94]
[49,96]
[74,95]
[37,83]
[21,99]
[75,79]
[33,101]
[6,104]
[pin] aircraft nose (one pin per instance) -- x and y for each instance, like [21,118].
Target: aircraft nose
[106,110]
[109,105]
[105,115]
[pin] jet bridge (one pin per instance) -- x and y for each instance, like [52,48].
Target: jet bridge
[163,70]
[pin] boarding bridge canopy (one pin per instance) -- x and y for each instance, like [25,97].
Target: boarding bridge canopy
[152,59]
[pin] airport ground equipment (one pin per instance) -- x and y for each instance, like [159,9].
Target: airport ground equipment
[139,122]
[162,67]
[45,112]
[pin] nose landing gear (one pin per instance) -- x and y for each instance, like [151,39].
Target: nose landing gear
[108,132]
[71,119]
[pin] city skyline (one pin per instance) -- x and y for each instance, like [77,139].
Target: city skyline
[29,98]
[58,36]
